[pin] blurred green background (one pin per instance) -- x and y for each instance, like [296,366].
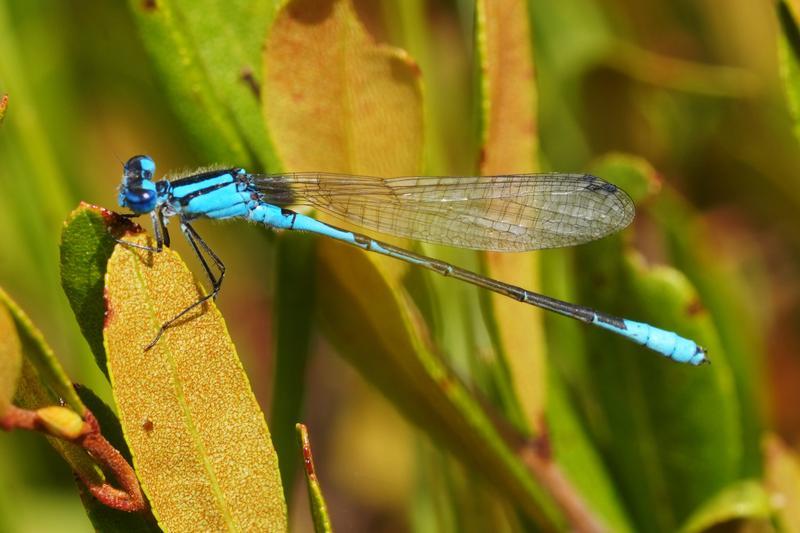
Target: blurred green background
[691,87]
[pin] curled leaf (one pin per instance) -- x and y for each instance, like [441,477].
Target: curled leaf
[53,385]
[105,518]
[198,438]
[43,383]
[745,502]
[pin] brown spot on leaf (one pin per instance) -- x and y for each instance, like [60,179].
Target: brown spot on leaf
[248,77]
[695,307]
[108,312]
[310,11]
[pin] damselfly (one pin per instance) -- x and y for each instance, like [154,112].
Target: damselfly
[511,213]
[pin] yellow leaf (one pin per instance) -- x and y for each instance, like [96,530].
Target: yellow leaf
[200,445]
[336,101]
[509,146]
[10,359]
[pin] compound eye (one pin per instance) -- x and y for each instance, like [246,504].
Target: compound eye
[140,167]
[140,200]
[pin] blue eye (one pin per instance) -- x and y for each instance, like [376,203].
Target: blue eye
[138,192]
[139,200]
[140,167]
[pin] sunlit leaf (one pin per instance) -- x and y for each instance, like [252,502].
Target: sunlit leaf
[10,359]
[743,502]
[200,445]
[211,71]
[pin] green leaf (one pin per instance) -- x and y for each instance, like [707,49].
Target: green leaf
[574,451]
[212,71]
[744,501]
[723,278]
[40,359]
[387,343]
[319,509]
[635,175]
[294,272]
[190,418]
[86,245]
[10,359]
[722,281]
[789,53]
[647,413]
[44,383]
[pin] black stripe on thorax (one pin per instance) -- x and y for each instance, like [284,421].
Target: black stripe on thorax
[194,178]
[184,200]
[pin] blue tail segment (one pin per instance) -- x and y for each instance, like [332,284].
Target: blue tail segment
[510,213]
[666,343]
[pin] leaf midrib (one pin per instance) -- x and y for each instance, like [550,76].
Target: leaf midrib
[196,439]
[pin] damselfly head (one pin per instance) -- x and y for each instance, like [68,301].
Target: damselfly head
[139,167]
[138,191]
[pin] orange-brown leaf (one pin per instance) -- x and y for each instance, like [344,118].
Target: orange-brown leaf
[336,101]
[508,103]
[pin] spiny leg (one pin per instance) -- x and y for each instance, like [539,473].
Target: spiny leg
[216,281]
[159,229]
[193,237]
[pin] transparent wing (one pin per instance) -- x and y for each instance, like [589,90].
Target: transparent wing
[502,213]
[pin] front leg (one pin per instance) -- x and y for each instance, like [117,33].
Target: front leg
[199,246]
[159,230]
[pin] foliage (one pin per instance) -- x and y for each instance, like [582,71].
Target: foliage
[521,419]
